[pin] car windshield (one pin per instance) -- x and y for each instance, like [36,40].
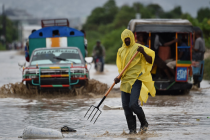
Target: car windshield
[56,56]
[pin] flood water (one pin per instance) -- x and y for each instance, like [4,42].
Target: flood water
[169,116]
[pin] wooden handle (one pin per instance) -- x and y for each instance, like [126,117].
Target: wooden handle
[109,89]
[119,76]
[127,65]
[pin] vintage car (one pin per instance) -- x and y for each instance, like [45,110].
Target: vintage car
[57,57]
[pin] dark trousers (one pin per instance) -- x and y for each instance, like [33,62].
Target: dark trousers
[101,59]
[130,102]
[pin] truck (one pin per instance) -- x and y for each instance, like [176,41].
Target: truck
[57,57]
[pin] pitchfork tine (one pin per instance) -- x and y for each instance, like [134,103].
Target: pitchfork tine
[91,113]
[97,117]
[88,110]
[94,116]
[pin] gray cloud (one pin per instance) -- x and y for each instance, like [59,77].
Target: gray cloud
[82,8]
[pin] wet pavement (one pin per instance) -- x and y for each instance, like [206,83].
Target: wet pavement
[170,117]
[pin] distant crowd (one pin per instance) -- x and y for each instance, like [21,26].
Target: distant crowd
[15,45]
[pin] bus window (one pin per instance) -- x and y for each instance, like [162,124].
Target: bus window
[183,48]
[142,38]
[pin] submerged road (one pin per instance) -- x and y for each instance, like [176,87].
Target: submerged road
[170,117]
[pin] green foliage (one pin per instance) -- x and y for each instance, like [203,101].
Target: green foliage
[123,16]
[186,16]
[137,6]
[110,11]
[155,9]
[206,69]
[175,13]
[207,42]
[113,42]
[204,26]
[106,23]
[146,12]
[102,15]
[203,13]
[11,30]
[2,47]
[92,37]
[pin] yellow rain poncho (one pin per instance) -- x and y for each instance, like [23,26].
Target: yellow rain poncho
[139,68]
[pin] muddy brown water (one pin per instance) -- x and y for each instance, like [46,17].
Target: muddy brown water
[170,117]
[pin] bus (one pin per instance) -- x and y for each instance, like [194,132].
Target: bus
[175,48]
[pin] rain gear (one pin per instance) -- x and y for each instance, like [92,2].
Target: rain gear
[139,68]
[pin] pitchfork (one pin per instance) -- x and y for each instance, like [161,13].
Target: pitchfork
[96,108]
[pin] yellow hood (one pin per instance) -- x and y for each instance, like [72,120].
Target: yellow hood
[138,69]
[127,33]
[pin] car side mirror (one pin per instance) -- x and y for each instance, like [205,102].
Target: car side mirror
[22,64]
[89,60]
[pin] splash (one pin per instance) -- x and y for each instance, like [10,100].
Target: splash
[139,135]
[126,135]
[19,89]
[106,133]
[13,89]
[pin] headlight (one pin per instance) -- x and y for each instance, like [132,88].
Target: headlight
[32,76]
[78,73]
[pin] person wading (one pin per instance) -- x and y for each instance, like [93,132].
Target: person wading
[136,81]
[99,53]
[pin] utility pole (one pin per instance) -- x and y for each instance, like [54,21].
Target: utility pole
[4,24]
[138,14]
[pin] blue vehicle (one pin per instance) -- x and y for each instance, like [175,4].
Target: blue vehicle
[181,75]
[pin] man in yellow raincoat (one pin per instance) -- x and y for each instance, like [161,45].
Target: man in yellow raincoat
[136,81]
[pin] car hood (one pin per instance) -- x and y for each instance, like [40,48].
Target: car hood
[56,65]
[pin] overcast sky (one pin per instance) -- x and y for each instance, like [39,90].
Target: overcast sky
[83,8]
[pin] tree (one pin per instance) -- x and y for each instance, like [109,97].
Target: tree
[11,30]
[145,13]
[186,16]
[124,15]
[96,18]
[155,9]
[175,13]
[102,15]
[139,8]
[203,13]
[110,11]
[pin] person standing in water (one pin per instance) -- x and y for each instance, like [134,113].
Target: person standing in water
[198,47]
[99,53]
[136,81]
